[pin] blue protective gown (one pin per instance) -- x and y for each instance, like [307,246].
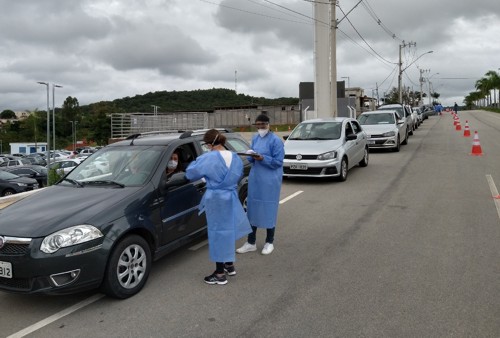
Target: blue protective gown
[264,181]
[227,221]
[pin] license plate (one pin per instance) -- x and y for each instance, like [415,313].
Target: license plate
[298,166]
[5,270]
[371,142]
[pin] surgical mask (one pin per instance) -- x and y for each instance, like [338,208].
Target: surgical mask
[263,132]
[172,164]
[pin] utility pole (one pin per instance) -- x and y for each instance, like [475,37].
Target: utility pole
[400,76]
[333,59]
[421,80]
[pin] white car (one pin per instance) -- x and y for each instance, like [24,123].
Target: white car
[385,129]
[65,166]
[326,147]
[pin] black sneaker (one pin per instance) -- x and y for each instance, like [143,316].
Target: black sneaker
[230,270]
[214,279]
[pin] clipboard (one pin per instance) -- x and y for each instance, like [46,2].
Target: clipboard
[254,155]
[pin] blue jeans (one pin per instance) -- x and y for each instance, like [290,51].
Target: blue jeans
[252,237]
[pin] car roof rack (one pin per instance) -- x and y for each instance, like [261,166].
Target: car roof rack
[203,131]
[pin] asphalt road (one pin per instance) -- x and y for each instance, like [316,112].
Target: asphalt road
[406,247]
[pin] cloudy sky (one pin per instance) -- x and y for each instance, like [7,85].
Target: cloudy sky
[101,50]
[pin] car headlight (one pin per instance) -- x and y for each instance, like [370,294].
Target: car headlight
[70,236]
[327,156]
[22,184]
[389,134]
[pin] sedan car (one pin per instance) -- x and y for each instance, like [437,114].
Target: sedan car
[65,166]
[104,231]
[325,148]
[37,172]
[12,184]
[385,129]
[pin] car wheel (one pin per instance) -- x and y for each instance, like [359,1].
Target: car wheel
[243,196]
[398,145]
[343,170]
[406,138]
[128,267]
[364,161]
[8,192]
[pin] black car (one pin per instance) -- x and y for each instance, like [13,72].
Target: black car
[37,172]
[92,229]
[11,184]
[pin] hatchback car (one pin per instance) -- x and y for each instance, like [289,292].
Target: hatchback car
[37,172]
[325,148]
[385,129]
[12,184]
[100,231]
[404,112]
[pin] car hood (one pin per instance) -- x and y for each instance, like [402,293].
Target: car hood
[57,207]
[311,147]
[378,128]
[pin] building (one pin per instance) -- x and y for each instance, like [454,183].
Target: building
[28,148]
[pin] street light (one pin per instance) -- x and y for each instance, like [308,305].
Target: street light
[48,122]
[73,133]
[54,86]
[401,70]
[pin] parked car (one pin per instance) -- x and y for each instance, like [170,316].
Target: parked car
[403,111]
[37,172]
[15,162]
[12,184]
[325,148]
[65,166]
[101,232]
[420,117]
[385,129]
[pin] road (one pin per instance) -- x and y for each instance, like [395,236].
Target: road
[406,247]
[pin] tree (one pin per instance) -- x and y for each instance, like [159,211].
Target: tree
[493,78]
[8,114]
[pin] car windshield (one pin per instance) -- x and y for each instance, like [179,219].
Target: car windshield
[317,131]
[116,166]
[380,118]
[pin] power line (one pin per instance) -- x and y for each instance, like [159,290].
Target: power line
[379,22]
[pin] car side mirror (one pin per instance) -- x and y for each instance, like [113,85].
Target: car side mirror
[351,137]
[285,137]
[175,180]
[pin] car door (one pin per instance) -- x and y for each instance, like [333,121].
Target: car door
[180,203]
[360,142]
[350,146]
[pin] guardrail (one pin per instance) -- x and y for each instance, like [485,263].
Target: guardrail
[8,200]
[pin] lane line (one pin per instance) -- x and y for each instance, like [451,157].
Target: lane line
[57,316]
[205,242]
[494,193]
[286,199]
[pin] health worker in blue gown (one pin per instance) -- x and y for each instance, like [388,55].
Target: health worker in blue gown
[264,185]
[227,221]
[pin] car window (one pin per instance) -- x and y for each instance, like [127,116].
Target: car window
[317,131]
[356,127]
[373,119]
[348,129]
[237,145]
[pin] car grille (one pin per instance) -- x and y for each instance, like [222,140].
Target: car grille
[304,157]
[309,171]
[19,284]
[11,249]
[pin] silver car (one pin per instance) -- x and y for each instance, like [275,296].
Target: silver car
[385,129]
[326,147]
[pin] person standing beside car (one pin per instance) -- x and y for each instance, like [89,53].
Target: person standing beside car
[264,185]
[226,218]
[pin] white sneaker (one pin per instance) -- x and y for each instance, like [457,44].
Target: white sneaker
[247,247]
[268,248]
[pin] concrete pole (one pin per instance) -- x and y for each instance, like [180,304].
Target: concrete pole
[333,60]
[321,60]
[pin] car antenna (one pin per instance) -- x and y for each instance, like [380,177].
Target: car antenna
[132,138]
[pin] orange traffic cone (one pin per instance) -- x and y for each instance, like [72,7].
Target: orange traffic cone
[458,126]
[476,146]
[466,129]
[455,120]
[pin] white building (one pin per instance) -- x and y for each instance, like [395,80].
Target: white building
[28,148]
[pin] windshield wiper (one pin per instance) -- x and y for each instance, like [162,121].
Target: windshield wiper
[106,182]
[74,182]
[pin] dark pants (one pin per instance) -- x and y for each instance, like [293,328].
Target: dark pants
[252,237]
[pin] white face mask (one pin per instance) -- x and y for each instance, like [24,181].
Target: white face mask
[263,132]
[172,164]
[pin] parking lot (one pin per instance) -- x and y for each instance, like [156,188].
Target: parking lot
[405,247]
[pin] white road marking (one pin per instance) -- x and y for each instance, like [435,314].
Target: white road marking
[494,193]
[286,199]
[205,242]
[199,245]
[57,316]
